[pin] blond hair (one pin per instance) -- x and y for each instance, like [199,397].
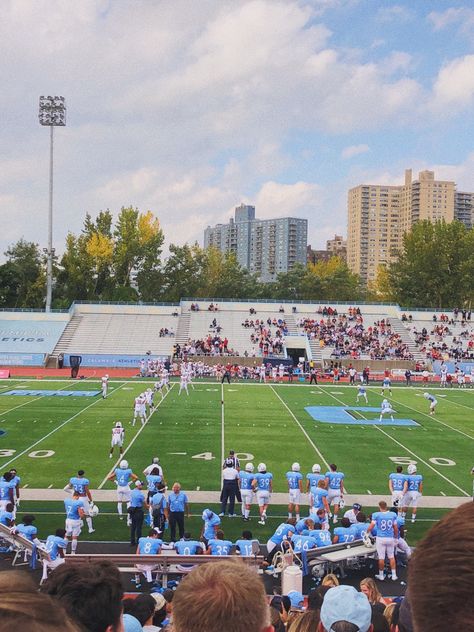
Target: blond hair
[219,596]
[330,580]
[374,595]
[306,622]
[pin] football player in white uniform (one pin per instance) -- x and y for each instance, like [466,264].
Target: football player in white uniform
[386,409]
[139,409]
[105,385]
[118,433]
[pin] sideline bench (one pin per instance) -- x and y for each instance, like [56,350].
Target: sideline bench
[341,555]
[166,563]
[19,545]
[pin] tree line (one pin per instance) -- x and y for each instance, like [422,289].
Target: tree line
[124,261]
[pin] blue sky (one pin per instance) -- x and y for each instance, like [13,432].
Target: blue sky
[188,108]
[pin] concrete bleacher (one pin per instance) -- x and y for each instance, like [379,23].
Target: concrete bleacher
[118,330]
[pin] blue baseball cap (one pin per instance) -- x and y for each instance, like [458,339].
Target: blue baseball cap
[131,624]
[296,598]
[344,603]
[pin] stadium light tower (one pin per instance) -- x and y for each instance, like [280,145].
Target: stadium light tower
[52,113]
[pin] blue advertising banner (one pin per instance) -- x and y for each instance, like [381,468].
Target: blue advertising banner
[127,361]
[21,359]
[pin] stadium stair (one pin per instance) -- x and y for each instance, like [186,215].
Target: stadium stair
[399,328]
[64,340]
[182,331]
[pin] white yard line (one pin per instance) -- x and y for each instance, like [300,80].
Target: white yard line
[410,451]
[33,445]
[122,456]
[35,399]
[301,427]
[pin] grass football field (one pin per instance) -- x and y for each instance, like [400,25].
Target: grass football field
[48,438]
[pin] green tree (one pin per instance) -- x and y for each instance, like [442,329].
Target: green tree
[183,272]
[434,267]
[24,276]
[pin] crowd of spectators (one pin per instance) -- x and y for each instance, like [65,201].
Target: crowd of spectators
[440,343]
[348,336]
[268,336]
[164,331]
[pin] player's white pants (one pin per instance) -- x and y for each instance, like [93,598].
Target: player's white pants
[402,546]
[146,569]
[73,528]
[183,386]
[364,396]
[385,547]
[410,499]
[263,497]
[294,496]
[334,496]
[50,565]
[397,499]
[116,442]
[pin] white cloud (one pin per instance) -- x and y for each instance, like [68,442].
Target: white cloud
[394,13]
[454,85]
[354,150]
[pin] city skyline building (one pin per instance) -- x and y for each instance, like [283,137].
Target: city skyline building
[379,215]
[265,247]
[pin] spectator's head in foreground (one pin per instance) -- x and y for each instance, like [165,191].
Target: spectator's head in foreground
[22,607]
[91,595]
[441,576]
[222,596]
[345,610]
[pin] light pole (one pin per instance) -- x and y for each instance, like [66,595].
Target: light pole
[52,113]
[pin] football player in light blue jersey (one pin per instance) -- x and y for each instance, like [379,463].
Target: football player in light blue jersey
[386,383]
[303,543]
[362,392]
[246,490]
[80,484]
[321,536]
[401,544]
[295,487]
[263,485]
[361,526]
[15,483]
[188,546]
[7,517]
[433,402]
[211,523]
[321,517]
[304,525]
[344,533]
[123,476]
[386,409]
[74,515]
[245,544]
[150,545]
[387,535]
[283,532]
[320,497]
[27,529]
[312,480]
[397,483]
[219,545]
[56,546]
[6,490]
[335,487]
[152,480]
[414,491]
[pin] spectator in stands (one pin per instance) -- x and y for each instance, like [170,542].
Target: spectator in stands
[373,594]
[144,607]
[441,577]
[222,596]
[24,609]
[342,606]
[306,622]
[91,595]
[330,580]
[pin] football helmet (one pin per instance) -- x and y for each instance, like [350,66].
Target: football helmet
[262,467]
[93,510]
[123,464]
[118,424]
[342,503]
[411,469]
[295,467]
[249,467]
[316,468]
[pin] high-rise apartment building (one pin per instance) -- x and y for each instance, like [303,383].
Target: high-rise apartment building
[379,215]
[337,247]
[265,247]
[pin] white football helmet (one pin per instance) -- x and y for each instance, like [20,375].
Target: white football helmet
[249,467]
[342,503]
[426,395]
[262,467]
[118,424]
[316,468]
[295,467]
[367,541]
[93,510]
[123,464]
[411,469]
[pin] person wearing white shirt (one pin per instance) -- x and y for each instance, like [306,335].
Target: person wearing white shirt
[147,471]
[352,513]
[230,487]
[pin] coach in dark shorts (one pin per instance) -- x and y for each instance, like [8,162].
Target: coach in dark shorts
[177,506]
[234,462]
